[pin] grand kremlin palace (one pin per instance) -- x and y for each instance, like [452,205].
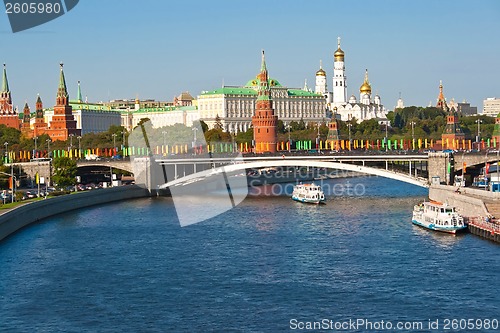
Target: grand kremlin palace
[235,105]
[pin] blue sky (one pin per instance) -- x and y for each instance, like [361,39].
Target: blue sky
[156,49]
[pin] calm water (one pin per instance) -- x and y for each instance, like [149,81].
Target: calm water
[130,267]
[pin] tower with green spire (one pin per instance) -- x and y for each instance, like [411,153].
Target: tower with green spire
[63,123]
[8,116]
[264,121]
[79,98]
[5,96]
[62,97]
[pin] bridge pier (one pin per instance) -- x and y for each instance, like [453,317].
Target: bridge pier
[441,165]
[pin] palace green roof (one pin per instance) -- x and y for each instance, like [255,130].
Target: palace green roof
[164,109]
[253,92]
[232,91]
[76,105]
[300,92]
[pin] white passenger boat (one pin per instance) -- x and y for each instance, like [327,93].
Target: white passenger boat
[308,193]
[438,216]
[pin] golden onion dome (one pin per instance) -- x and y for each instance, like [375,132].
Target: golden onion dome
[365,88]
[321,72]
[339,55]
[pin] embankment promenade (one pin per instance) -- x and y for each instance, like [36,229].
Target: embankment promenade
[21,216]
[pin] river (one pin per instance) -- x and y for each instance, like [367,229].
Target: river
[268,265]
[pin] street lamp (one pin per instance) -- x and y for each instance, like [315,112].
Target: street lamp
[79,143]
[48,147]
[164,137]
[194,131]
[317,139]
[386,133]
[70,142]
[14,180]
[478,122]
[36,141]
[289,140]
[413,130]
[349,125]
[6,144]
[114,139]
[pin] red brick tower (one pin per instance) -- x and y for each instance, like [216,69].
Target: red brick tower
[63,122]
[40,126]
[25,126]
[452,131]
[264,121]
[8,116]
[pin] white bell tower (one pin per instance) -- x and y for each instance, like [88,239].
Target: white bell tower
[339,78]
[320,81]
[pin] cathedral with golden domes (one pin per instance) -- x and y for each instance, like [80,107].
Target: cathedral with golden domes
[367,107]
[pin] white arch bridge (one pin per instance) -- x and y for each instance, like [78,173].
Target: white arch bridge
[412,169]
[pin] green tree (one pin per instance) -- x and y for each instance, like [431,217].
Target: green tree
[218,123]
[204,126]
[64,171]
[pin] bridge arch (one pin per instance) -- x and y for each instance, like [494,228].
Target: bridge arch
[422,182]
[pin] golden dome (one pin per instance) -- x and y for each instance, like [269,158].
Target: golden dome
[365,87]
[321,72]
[339,55]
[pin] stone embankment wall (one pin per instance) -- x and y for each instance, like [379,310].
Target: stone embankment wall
[22,216]
[466,204]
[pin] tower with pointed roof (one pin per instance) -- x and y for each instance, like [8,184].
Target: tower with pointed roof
[339,78]
[452,131]
[40,126]
[264,120]
[441,101]
[333,128]
[8,115]
[320,87]
[365,90]
[79,97]
[26,126]
[63,122]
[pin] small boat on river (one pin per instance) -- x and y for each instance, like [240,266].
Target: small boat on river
[308,193]
[438,216]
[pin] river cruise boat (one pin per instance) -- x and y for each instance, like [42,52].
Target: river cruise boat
[438,216]
[308,193]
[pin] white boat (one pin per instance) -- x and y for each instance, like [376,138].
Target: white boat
[438,216]
[308,193]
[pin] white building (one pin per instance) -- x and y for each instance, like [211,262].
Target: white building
[235,105]
[491,106]
[367,107]
[160,117]
[364,109]
[90,117]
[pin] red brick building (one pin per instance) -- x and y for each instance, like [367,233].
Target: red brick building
[264,121]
